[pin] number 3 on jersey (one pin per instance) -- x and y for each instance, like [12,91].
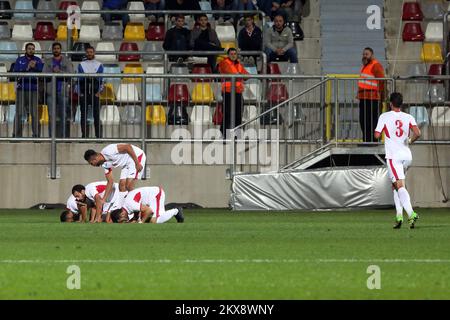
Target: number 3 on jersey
[399,132]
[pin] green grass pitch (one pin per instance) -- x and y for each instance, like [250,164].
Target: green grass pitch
[218,254]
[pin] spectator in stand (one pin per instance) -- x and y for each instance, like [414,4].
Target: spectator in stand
[250,38]
[155,5]
[27,91]
[204,38]
[115,5]
[183,5]
[287,9]
[177,38]
[224,5]
[280,42]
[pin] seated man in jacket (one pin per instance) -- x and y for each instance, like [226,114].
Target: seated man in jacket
[280,42]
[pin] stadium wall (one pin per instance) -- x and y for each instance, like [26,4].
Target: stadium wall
[24,182]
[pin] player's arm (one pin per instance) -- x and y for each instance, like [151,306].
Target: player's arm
[82,208]
[109,186]
[416,134]
[380,128]
[98,208]
[127,148]
[146,214]
[93,214]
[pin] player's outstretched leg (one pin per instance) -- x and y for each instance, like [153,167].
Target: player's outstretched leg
[180,216]
[399,209]
[165,216]
[406,203]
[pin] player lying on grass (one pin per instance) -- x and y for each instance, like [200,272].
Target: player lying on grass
[92,195]
[75,211]
[129,158]
[396,126]
[146,205]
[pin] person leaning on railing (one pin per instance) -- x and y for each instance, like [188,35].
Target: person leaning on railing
[27,91]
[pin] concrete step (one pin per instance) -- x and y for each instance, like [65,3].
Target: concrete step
[309,48]
[311,27]
[406,50]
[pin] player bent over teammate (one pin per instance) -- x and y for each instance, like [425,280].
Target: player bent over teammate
[396,126]
[146,205]
[129,158]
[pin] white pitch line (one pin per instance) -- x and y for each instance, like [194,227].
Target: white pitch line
[219,261]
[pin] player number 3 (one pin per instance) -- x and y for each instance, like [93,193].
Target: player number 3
[399,131]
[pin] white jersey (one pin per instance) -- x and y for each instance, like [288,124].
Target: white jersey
[72,204]
[115,159]
[145,195]
[396,126]
[99,187]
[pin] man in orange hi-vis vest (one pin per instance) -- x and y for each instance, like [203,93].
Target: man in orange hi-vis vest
[370,93]
[231,65]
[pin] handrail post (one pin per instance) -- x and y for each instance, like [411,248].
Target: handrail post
[53,124]
[143,121]
[446,52]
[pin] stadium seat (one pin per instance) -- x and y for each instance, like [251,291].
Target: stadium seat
[413,32]
[153,92]
[297,31]
[44,32]
[252,90]
[80,47]
[434,32]
[251,69]
[435,94]
[45,6]
[420,114]
[201,115]
[277,93]
[43,114]
[3,70]
[433,10]
[112,31]
[432,52]
[127,92]
[90,116]
[90,32]
[8,46]
[436,70]
[7,92]
[138,6]
[114,69]
[440,116]
[202,93]
[206,6]
[37,48]
[179,69]
[105,46]
[155,115]
[153,46]
[225,32]
[132,68]
[22,32]
[107,95]
[201,68]
[63,5]
[61,33]
[177,115]
[134,31]
[178,92]
[155,69]
[109,115]
[129,46]
[417,70]
[10,113]
[273,68]
[131,115]
[293,69]
[250,112]
[4,5]
[5,33]
[23,5]
[412,11]
[156,32]
[90,5]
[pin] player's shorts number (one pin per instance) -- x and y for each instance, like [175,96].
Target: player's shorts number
[399,131]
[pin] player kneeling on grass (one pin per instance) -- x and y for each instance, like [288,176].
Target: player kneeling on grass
[75,211]
[129,158]
[396,126]
[146,205]
[92,195]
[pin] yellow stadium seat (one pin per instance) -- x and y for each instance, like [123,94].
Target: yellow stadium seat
[134,31]
[226,45]
[43,114]
[155,115]
[202,93]
[7,92]
[432,52]
[132,68]
[107,96]
[61,33]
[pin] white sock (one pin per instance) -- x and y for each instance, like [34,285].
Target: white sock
[398,205]
[166,215]
[405,200]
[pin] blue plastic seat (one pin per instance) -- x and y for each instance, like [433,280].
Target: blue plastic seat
[153,92]
[23,5]
[112,68]
[8,45]
[131,115]
[420,114]
[90,115]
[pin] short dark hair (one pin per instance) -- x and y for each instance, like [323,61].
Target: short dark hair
[180,16]
[396,99]
[29,44]
[249,16]
[115,215]
[201,16]
[369,49]
[78,188]
[279,15]
[65,213]
[231,49]
[89,47]
[89,153]
[54,44]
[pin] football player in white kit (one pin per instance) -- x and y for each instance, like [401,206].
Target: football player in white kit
[396,126]
[145,205]
[126,156]
[75,211]
[91,194]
